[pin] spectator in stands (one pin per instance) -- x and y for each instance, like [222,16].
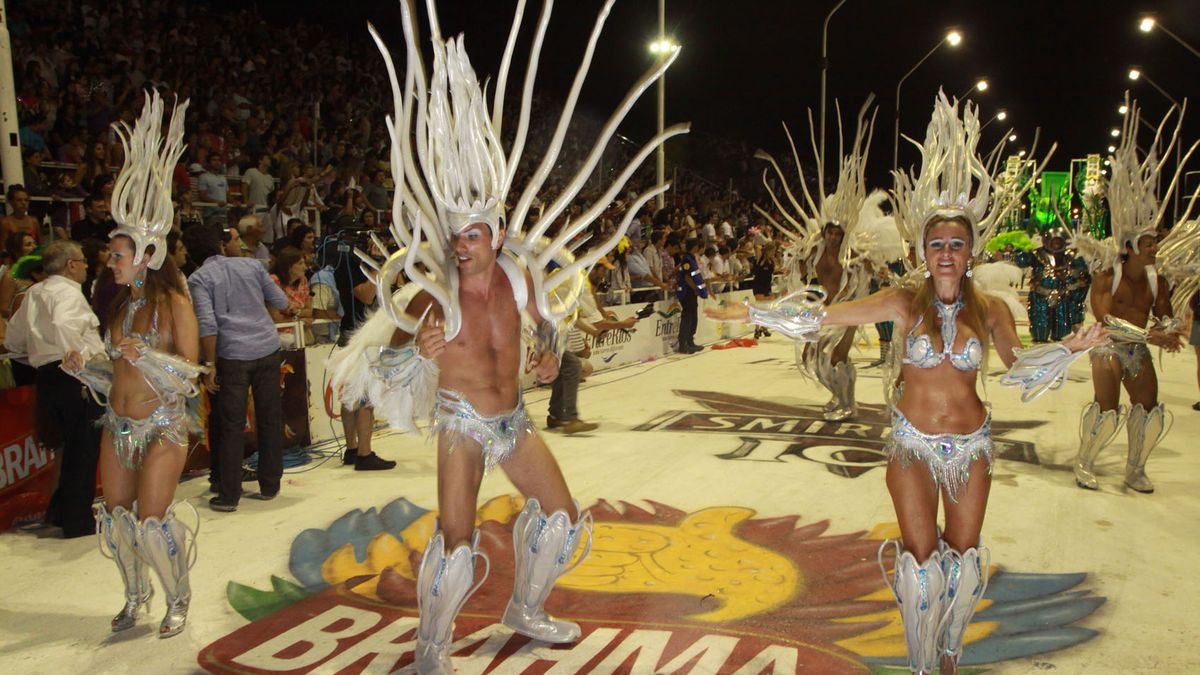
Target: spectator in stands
[19,220]
[16,246]
[36,182]
[762,268]
[186,213]
[304,238]
[257,186]
[238,336]
[289,273]
[231,243]
[653,255]
[689,289]
[647,287]
[326,301]
[376,192]
[56,319]
[96,254]
[213,187]
[250,231]
[95,165]
[96,223]
[179,255]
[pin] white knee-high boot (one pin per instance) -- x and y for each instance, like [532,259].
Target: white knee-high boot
[116,532]
[169,547]
[1096,430]
[966,581]
[1146,428]
[920,593]
[444,582]
[542,547]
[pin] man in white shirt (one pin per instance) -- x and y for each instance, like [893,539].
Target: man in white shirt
[55,319]
[250,231]
[213,187]
[726,230]
[257,184]
[709,231]
[652,253]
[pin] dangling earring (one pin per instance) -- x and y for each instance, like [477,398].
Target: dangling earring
[928,273]
[970,272]
[139,281]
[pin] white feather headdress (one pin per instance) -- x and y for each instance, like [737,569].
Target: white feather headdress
[1135,208]
[459,174]
[805,222]
[954,181]
[141,199]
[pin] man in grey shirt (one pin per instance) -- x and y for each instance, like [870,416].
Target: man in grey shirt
[230,296]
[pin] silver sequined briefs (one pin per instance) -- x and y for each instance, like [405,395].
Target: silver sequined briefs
[497,435]
[948,456]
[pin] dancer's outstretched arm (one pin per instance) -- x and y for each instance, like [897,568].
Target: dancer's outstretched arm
[890,304]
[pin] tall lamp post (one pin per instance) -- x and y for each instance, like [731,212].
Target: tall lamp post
[1149,23]
[660,46]
[1001,115]
[981,85]
[1136,74]
[953,38]
[824,68]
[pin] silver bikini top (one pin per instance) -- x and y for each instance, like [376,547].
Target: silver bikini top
[918,350]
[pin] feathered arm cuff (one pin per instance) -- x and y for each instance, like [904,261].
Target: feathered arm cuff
[96,375]
[403,386]
[169,375]
[1039,369]
[798,315]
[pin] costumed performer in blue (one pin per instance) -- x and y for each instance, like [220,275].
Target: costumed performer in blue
[454,353]
[941,442]
[1058,287]
[145,379]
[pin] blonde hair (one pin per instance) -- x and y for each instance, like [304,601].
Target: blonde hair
[975,302]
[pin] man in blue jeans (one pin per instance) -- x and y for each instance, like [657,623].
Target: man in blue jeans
[237,334]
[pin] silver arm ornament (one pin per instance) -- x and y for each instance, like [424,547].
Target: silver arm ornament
[1120,330]
[97,376]
[548,338]
[1039,369]
[169,375]
[798,314]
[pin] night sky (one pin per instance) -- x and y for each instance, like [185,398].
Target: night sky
[745,66]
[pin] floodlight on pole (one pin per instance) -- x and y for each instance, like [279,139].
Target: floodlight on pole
[1175,103]
[1021,153]
[1148,23]
[1112,148]
[663,45]
[1001,115]
[1124,109]
[1115,133]
[824,68]
[1012,138]
[953,38]
[1135,73]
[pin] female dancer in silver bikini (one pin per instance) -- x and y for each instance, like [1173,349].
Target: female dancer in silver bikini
[147,376]
[941,442]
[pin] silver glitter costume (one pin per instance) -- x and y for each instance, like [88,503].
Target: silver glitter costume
[948,456]
[1131,355]
[173,381]
[497,435]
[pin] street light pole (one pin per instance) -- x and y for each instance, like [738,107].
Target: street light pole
[824,68]
[953,37]
[1137,73]
[661,153]
[1148,24]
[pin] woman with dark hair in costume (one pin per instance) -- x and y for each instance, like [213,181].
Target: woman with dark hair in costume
[941,443]
[147,376]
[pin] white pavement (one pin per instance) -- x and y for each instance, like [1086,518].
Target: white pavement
[751,445]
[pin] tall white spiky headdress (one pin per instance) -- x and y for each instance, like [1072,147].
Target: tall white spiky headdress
[805,222]
[141,199]
[1134,206]
[955,181]
[458,173]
